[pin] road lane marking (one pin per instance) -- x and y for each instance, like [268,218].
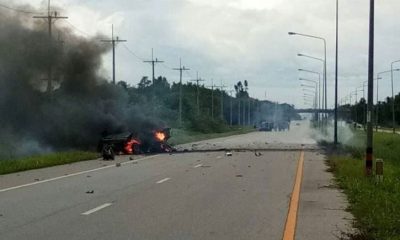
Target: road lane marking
[163,180]
[291,220]
[198,165]
[70,175]
[96,209]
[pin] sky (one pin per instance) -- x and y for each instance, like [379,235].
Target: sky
[227,41]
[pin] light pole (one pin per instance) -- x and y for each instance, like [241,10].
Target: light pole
[324,41]
[377,94]
[317,87]
[335,140]
[319,81]
[393,115]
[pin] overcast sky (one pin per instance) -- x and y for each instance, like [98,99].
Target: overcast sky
[232,40]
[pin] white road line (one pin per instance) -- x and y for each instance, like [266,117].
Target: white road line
[163,180]
[96,209]
[197,166]
[70,175]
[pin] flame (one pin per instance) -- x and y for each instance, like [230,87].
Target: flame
[160,136]
[129,146]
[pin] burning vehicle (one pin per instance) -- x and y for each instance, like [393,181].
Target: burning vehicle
[129,143]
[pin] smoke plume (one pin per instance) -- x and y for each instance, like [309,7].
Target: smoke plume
[81,106]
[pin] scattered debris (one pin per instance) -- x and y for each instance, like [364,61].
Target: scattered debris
[118,164]
[1,215]
[131,158]
[228,154]
[257,154]
[249,166]
[37,179]
[135,162]
[90,192]
[205,166]
[88,176]
[239,175]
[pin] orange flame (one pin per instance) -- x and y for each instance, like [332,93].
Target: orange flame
[160,136]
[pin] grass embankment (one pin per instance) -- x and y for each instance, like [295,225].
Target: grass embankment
[375,206]
[47,160]
[182,136]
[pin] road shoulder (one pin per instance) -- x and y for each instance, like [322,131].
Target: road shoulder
[322,213]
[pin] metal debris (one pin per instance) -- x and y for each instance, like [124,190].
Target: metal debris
[90,192]
[228,154]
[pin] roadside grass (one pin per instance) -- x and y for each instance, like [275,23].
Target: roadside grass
[180,136]
[375,206]
[42,161]
[47,160]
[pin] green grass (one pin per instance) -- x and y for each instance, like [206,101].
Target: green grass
[182,136]
[375,206]
[47,160]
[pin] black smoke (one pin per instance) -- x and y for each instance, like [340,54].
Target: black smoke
[82,105]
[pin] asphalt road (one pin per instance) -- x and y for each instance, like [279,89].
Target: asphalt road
[200,195]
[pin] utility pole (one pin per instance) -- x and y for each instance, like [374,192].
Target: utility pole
[230,93]
[212,99]
[50,18]
[180,69]
[113,41]
[153,62]
[369,150]
[198,80]
[335,137]
[249,112]
[222,99]
[239,112]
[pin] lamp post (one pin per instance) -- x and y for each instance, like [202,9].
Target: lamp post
[319,83]
[324,41]
[393,114]
[377,94]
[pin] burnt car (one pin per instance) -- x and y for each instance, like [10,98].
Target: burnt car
[154,141]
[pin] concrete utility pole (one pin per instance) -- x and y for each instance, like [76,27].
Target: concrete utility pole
[180,69]
[50,18]
[335,132]
[231,97]
[153,62]
[113,41]
[222,99]
[249,113]
[369,149]
[212,98]
[198,80]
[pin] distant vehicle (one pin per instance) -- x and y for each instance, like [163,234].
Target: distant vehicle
[266,127]
[282,126]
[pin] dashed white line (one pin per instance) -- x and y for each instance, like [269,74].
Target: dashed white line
[70,175]
[198,165]
[96,209]
[163,180]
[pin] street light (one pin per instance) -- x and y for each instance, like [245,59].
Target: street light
[393,115]
[325,81]
[377,94]
[319,84]
[319,89]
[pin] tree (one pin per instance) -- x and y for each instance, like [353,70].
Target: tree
[144,82]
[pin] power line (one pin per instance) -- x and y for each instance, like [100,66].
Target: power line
[18,10]
[133,53]
[77,29]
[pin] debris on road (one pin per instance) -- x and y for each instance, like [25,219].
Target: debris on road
[257,154]
[90,192]
[118,164]
[239,175]
[228,154]
[130,158]
[135,162]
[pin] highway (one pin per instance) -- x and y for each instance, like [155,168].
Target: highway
[191,195]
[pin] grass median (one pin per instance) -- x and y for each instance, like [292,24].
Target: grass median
[46,160]
[375,205]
